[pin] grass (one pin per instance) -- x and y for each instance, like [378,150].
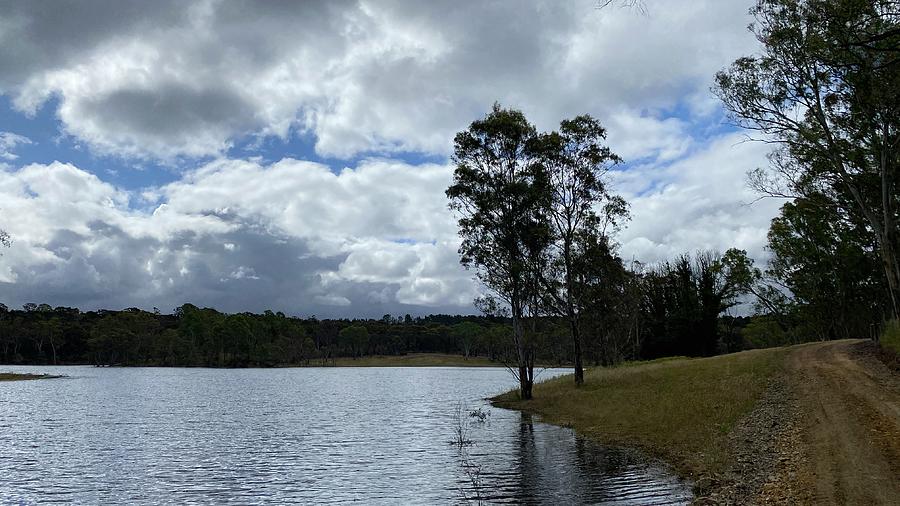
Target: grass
[413,360]
[681,410]
[890,338]
[12,376]
[890,344]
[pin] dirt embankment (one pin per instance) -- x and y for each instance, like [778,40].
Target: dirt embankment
[826,432]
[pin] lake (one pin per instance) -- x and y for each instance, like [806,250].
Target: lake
[309,435]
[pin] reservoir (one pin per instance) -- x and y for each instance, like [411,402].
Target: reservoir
[305,435]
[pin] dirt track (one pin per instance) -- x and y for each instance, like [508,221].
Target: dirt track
[849,430]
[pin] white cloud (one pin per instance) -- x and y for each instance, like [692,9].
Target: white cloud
[372,239]
[8,143]
[290,240]
[698,202]
[187,80]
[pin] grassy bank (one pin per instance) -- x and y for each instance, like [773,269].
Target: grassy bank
[412,360]
[679,409]
[12,376]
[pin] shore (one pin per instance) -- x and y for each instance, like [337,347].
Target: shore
[780,425]
[678,409]
[12,376]
[410,360]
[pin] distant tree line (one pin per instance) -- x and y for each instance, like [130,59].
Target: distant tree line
[193,336]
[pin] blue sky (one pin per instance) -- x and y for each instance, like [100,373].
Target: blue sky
[294,156]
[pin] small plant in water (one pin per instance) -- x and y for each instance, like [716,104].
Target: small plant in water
[473,491]
[460,427]
[472,486]
[480,414]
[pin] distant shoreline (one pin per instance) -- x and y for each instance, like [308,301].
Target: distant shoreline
[407,360]
[14,376]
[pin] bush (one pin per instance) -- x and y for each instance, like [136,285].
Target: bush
[764,332]
[890,344]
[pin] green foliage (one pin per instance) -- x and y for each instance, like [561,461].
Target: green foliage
[194,336]
[826,88]
[356,338]
[683,300]
[581,214]
[890,338]
[500,193]
[467,333]
[827,263]
[765,332]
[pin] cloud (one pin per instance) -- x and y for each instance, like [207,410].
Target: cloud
[288,241]
[698,202]
[294,236]
[8,143]
[189,79]
[368,83]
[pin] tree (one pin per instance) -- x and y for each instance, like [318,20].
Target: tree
[467,333]
[828,266]
[826,90]
[576,159]
[354,337]
[500,194]
[683,300]
[610,302]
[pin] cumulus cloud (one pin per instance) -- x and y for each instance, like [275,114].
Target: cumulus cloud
[289,242]
[365,81]
[699,202]
[372,239]
[188,79]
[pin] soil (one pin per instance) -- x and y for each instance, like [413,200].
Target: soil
[851,431]
[827,431]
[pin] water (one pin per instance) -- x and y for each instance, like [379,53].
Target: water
[322,435]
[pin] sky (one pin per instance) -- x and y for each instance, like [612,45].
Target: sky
[293,156]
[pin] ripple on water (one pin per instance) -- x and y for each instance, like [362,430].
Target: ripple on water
[332,435]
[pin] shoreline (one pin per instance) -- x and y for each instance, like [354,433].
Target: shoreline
[763,426]
[14,376]
[408,360]
[692,414]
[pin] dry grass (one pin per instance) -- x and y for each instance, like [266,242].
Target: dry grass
[414,360]
[681,409]
[12,376]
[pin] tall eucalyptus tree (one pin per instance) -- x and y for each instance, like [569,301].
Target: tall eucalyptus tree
[581,212]
[500,193]
[826,90]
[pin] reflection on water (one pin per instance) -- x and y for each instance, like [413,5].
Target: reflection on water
[375,435]
[549,464]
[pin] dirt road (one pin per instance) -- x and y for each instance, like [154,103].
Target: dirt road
[849,428]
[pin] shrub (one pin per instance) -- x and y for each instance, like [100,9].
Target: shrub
[890,344]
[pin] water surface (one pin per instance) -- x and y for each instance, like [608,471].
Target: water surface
[373,435]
